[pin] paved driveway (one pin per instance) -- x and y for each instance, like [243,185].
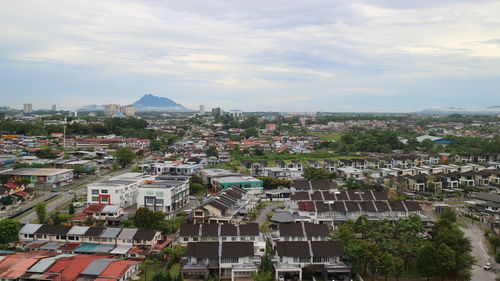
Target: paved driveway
[479,252]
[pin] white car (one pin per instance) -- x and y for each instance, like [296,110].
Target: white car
[487,266]
[77,204]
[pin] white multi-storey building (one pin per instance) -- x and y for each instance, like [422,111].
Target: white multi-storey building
[121,190]
[166,193]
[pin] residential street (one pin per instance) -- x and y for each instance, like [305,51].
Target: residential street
[268,209]
[481,255]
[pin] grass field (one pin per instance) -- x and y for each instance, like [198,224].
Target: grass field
[327,136]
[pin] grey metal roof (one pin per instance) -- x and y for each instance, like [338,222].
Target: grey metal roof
[110,209]
[97,267]
[29,228]
[43,264]
[111,232]
[127,233]
[121,250]
[103,248]
[282,216]
[78,230]
[51,246]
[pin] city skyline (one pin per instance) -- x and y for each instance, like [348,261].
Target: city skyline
[361,56]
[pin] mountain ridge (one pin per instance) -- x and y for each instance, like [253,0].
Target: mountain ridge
[147,103]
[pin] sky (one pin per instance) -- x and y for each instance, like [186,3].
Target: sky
[269,55]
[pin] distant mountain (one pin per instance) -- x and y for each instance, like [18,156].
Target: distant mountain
[147,103]
[457,110]
[154,103]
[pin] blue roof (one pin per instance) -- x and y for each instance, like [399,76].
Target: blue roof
[87,247]
[443,141]
[94,248]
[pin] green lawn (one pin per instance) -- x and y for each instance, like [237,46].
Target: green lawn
[175,270]
[327,136]
[148,272]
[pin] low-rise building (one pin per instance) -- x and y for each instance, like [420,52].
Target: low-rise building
[41,177]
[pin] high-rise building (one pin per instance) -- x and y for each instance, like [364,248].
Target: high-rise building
[54,107]
[128,110]
[73,114]
[28,108]
[202,109]
[217,111]
[111,109]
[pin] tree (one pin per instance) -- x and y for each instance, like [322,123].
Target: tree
[446,259]
[124,156]
[146,218]
[196,185]
[311,173]
[251,132]
[263,276]
[212,151]
[71,210]
[449,214]
[9,231]
[495,242]
[23,182]
[4,179]
[428,261]
[41,212]
[58,218]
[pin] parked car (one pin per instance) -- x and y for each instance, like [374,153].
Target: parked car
[77,204]
[487,266]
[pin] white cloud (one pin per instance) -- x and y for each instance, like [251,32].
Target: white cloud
[321,48]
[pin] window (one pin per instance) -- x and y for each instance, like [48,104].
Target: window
[233,238]
[320,259]
[95,198]
[159,202]
[150,201]
[186,239]
[304,259]
[95,191]
[229,260]
[104,191]
[104,199]
[195,239]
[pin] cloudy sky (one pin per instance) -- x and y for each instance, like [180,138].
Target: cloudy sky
[284,55]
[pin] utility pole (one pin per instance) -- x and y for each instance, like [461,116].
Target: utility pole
[64,133]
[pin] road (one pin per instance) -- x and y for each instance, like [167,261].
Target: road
[480,253]
[268,209]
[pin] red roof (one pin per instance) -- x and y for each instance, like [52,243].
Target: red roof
[35,245]
[71,267]
[307,206]
[94,208]
[69,246]
[22,193]
[15,265]
[11,186]
[165,243]
[79,217]
[116,269]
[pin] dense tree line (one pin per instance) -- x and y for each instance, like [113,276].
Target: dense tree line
[395,249]
[365,141]
[131,127]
